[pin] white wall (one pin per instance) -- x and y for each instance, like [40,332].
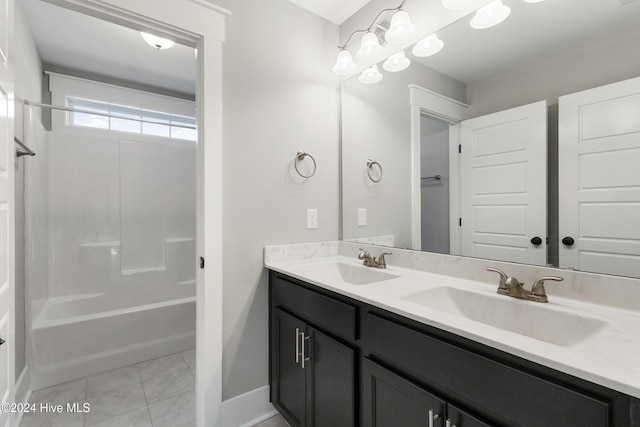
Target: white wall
[28,71]
[611,60]
[279,97]
[121,203]
[376,124]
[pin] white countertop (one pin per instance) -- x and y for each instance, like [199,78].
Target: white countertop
[610,358]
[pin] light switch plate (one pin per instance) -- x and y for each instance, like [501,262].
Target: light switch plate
[312,219]
[362,217]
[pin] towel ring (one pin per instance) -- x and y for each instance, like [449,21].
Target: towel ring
[370,164]
[299,157]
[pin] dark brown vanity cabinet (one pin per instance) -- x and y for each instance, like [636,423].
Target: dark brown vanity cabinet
[312,373]
[364,366]
[390,400]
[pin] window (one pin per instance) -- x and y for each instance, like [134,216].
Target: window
[104,115]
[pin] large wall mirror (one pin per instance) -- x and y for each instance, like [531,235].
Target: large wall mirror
[520,142]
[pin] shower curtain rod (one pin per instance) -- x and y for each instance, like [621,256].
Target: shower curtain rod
[114,116]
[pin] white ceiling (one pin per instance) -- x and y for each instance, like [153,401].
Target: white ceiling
[336,11]
[532,32]
[72,40]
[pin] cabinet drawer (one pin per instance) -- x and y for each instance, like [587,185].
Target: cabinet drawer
[508,395]
[321,311]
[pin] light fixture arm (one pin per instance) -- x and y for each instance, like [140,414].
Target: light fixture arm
[344,46]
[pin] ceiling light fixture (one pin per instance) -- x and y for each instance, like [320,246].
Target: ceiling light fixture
[397,62]
[490,15]
[428,46]
[157,42]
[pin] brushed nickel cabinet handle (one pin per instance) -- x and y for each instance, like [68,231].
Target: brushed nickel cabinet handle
[304,358]
[297,346]
[432,417]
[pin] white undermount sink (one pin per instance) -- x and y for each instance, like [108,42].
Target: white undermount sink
[332,271]
[531,319]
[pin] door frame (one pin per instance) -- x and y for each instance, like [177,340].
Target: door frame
[199,24]
[426,102]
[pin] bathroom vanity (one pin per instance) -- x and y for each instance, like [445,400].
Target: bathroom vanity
[356,346]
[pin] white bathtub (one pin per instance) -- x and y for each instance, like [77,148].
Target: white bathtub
[78,336]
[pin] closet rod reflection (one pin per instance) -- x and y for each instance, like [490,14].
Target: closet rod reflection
[114,116]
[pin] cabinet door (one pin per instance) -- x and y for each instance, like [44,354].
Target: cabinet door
[458,418]
[391,401]
[288,378]
[333,382]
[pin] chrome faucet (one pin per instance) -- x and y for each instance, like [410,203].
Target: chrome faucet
[512,287]
[370,261]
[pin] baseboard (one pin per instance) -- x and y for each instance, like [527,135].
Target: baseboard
[23,394]
[248,409]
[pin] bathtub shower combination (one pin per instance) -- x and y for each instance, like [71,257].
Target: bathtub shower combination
[110,231]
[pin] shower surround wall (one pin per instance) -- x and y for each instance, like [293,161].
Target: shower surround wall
[115,213]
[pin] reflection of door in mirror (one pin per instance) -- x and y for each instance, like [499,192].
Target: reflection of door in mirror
[434,184]
[503,185]
[599,158]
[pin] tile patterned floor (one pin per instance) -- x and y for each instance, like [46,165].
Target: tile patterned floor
[156,393]
[276,421]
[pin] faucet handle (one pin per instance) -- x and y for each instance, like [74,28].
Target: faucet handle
[381,260]
[363,253]
[538,286]
[503,277]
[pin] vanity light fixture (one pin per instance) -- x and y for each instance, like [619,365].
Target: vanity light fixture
[157,42]
[397,62]
[490,15]
[370,76]
[370,48]
[428,46]
[401,30]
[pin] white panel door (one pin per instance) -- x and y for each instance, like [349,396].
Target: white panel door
[7,230]
[599,173]
[503,182]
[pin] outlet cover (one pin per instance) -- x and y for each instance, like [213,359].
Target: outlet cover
[312,219]
[362,217]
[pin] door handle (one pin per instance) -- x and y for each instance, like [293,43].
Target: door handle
[536,241]
[568,241]
[2,341]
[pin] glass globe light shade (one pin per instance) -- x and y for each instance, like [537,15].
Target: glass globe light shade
[396,62]
[370,76]
[401,29]
[428,46]
[344,64]
[370,49]
[490,15]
